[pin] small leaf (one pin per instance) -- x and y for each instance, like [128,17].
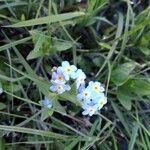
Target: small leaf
[46,113]
[145,50]
[121,117]
[44,45]
[105,45]
[62,46]
[133,137]
[70,97]
[124,98]
[122,73]
[35,54]
[140,86]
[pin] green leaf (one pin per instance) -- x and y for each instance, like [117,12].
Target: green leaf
[33,131]
[122,73]
[133,137]
[46,113]
[45,45]
[2,144]
[70,97]
[47,20]
[105,45]
[13,4]
[124,98]
[61,46]
[35,54]
[56,46]
[22,99]
[71,145]
[141,17]
[139,86]
[121,117]
[2,106]
[145,50]
[138,26]
[94,5]
[11,44]
[144,44]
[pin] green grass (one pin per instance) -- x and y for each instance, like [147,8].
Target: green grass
[108,40]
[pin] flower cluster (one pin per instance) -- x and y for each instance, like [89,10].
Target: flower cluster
[92,97]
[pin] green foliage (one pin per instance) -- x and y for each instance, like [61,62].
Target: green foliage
[109,40]
[44,45]
[122,73]
[47,20]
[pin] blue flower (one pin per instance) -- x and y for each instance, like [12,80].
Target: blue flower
[89,109]
[47,103]
[68,70]
[96,87]
[100,101]
[84,94]
[60,88]
[92,97]
[97,96]
[58,77]
[80,76]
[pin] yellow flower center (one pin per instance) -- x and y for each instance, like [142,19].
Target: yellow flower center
[60,78]
[68,70]
[59,87]
[90,109]
[86,94]
[96,88]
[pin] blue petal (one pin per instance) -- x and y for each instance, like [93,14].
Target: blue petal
[74,75]
[79,96]
[67,87]
[47,103]
[91,83]
[53,88]
[54,75]
[66,76]
[65,64]
[74,68]
[85,112]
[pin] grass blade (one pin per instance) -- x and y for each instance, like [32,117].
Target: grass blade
[47,20]
[11,44]
[133,137]
[34,132]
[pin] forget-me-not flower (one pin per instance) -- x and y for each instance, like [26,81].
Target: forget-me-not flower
[68,70]
[60,88]
[84,94]
[100,102]
[92,96]
[47,103]
[58,77]
[88,109]
[80,76]
[96,87]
